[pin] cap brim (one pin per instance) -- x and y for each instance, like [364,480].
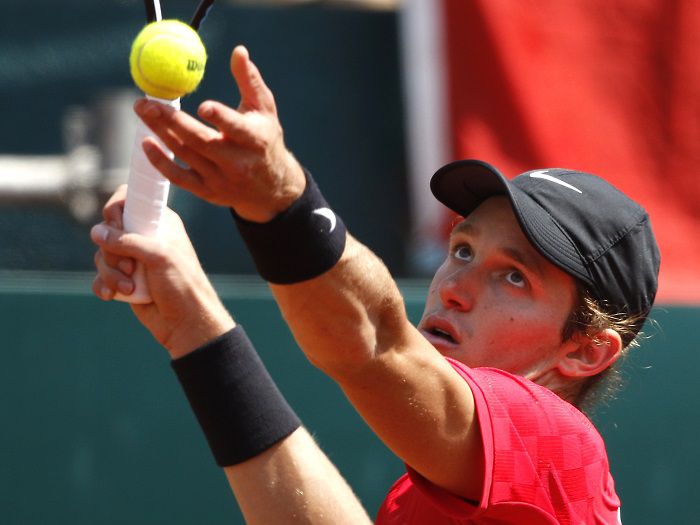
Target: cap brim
[464,184]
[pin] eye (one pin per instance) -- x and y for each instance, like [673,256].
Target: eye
[463,252]
[516,278]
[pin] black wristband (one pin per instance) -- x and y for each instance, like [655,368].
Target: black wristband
[237,404]
[302,242]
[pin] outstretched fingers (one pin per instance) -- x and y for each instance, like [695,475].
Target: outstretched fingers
[233,124]
[175,127]
[191,141]
[186,178]
[255,95]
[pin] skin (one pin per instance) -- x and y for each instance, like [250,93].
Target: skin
[495,296]
[186,311]
[501,302]
[291,482]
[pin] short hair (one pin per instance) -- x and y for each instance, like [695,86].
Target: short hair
[590,317]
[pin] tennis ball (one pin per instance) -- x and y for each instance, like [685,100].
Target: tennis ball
[167,59]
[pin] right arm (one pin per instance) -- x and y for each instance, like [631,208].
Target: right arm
[291,482]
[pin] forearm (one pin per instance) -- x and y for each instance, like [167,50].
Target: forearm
[276,471]
[351,323]
[294,482]
[347,316]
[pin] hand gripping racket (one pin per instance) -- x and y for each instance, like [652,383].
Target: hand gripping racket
[147,193]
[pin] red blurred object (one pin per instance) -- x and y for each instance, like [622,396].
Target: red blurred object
[607,86]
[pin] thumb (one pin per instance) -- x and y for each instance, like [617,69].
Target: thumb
[119,242]
[113,210]
[255,95]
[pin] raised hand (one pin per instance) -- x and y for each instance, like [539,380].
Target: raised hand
[241,162]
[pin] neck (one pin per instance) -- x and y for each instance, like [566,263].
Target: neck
[565,387]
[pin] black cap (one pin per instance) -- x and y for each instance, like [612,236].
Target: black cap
[578,221]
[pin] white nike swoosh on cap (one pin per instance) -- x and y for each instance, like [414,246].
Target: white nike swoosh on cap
[328,214]
[542,174]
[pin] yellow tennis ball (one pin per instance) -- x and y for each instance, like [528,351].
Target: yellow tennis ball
[167,59]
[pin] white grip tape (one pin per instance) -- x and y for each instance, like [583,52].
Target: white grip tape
[146,200]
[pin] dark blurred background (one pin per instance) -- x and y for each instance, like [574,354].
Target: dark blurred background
[334,71]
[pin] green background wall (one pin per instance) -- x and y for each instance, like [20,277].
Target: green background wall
[96,430]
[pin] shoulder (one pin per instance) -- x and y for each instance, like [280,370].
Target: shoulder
[542,457]
[530,436]
[523,402]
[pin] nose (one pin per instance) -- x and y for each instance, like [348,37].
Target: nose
[458,290]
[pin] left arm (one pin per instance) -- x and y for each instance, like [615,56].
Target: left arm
[350,321]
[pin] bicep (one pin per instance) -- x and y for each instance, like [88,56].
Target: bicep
[424,412]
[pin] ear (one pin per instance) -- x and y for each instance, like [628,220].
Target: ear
[592,355]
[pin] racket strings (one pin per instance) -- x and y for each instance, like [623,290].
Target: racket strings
[200,13]
[154,14]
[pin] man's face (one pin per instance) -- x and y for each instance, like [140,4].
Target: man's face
[496,301]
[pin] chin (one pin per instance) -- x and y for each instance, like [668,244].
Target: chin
[453,352]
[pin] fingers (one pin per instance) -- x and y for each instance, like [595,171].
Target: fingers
[101,290]
[115,262]
[174,127]
[188,179]
[124,264]
[113,212]
[109,280]
[255,95]
[191,141]
[230,122]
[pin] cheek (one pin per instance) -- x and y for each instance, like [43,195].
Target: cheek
[527,329]
[432,301]
[433,297]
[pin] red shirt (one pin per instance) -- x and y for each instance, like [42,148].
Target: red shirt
[545,464]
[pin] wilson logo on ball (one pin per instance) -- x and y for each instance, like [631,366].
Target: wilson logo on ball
[195,65]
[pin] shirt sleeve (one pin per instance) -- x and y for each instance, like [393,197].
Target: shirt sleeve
[448,504]
[539,450]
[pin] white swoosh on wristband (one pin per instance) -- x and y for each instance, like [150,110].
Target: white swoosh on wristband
[328,214]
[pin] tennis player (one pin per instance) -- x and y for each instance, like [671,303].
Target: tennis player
[546,282]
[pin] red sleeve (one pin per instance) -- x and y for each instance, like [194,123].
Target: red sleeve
[540,452]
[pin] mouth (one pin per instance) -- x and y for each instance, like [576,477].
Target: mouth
[440,332]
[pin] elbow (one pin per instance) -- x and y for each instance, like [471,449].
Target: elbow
[369,336]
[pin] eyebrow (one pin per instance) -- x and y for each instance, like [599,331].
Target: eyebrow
[519,256]
[532,263]
[465,227]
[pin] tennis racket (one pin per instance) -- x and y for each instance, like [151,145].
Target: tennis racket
[147,193]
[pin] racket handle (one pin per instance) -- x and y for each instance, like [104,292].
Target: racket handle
[146,200]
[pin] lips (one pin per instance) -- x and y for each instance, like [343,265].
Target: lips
[440,332]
